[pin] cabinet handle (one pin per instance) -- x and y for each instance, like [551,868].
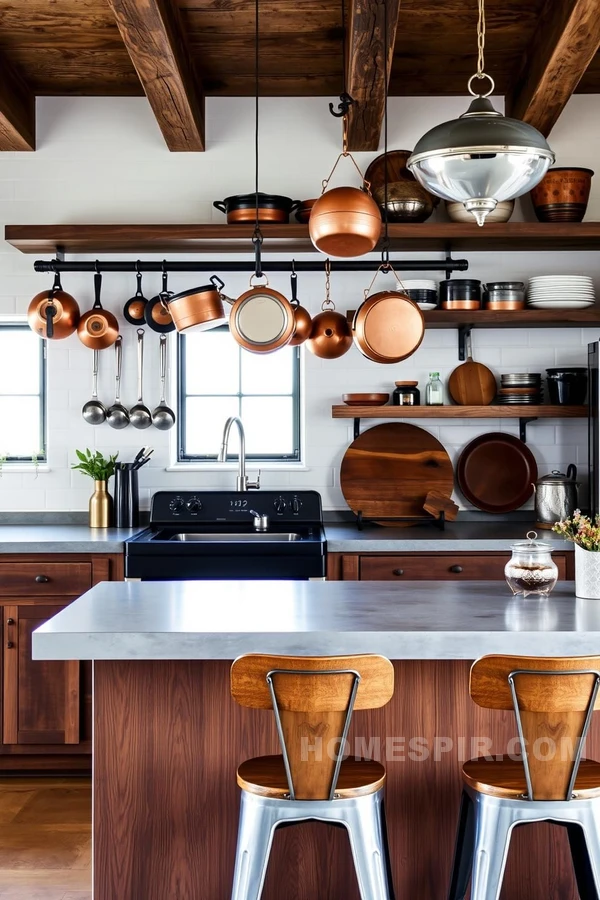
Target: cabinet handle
[42,579]
[9,645]
[456,569]
[398,571]
[10,621]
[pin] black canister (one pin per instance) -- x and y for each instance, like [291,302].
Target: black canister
[567,385]
[406,394]
[127,501]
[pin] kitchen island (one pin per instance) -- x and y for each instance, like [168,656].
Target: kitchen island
[168,738]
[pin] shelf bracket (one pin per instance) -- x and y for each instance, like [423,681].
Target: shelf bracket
[356,427]
[60,253]
[523,423]
[464,333]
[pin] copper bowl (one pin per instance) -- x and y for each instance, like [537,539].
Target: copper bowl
[407,200]
[562,195]
[345,222]
[504,304]
[461,304]
[304,210]
[98,329]
[303,326]
[365,399]
[330,335]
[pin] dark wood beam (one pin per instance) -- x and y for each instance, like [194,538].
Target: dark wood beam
[369,65]
[17,110]
[154,39]
[564,44]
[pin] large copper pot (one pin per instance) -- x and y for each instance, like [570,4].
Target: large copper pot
[98,328]
[200,308]
[330,335]
[345,222]
[53,314]
[388,327]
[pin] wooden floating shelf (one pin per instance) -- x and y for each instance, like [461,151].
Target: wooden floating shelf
[460,412]
[521,318]
[293,238]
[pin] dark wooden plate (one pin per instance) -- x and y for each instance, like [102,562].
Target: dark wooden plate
[496,472]
[388,471]
[365,399]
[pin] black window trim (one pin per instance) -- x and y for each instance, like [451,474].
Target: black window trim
[43,394]
[182,457]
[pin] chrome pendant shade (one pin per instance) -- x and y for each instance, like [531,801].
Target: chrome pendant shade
[481,158]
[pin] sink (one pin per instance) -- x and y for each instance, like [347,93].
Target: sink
[246,537]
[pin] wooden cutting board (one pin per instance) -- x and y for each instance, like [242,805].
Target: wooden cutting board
[472,384]
[388,471]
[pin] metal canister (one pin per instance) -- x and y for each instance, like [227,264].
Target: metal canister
[406,394]
[555,497]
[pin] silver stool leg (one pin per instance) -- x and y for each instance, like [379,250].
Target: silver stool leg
[367,832]
[255,836]
[493,825]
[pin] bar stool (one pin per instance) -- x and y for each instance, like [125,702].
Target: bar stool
[553,700]
[313,699]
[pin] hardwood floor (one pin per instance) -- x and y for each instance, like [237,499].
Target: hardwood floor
[45,839]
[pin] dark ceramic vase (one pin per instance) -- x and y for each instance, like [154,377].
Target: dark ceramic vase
[562,195]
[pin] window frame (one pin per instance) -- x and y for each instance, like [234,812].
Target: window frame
[40,458]
[184,458]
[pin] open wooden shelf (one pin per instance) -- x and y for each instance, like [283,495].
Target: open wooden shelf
[459,412]
[520,318]
[293,238]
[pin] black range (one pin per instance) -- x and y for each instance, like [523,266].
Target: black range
[230,535]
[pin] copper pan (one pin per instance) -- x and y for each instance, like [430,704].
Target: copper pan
[53,314]
[262,320]
[302,318]
[198,309]
[265,216]
[388,327]
[98,328]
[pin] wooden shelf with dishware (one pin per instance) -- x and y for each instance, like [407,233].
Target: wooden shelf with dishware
[528,411]
[294,238]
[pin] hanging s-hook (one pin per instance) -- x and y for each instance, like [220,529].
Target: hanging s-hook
[97,267]
[257,240]
[343,106]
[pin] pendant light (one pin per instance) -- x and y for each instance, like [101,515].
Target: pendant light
[482,157]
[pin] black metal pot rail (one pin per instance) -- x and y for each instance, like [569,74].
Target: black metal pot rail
[447,265]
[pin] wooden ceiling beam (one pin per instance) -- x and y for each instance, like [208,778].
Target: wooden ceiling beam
[17,110]
[151,31]
[564,44]
[369,65]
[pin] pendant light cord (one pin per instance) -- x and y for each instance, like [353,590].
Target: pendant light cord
[481,39]
[385,250]
[257,237]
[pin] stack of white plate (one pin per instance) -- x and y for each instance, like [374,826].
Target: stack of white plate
[561,292]
[418,284]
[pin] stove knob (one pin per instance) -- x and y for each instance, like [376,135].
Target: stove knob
[296,504]
[177,504]
[194,505]
[280,505]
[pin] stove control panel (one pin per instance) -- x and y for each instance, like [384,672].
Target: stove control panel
[204,507]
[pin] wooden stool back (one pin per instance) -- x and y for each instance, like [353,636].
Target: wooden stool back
[313,698]
[553,699]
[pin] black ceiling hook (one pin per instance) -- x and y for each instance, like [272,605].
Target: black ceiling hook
[344,105]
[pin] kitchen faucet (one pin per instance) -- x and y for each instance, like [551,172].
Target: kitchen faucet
[242,483]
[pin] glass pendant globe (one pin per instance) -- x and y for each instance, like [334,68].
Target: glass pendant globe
[481,158]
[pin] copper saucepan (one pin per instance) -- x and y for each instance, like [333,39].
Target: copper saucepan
[98,328]
[261,320]
[302,319]
[157,312]
[200,308]
[53,314]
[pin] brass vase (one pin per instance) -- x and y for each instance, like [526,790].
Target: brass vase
[100,506]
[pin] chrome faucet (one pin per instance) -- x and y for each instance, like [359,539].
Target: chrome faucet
[242,483]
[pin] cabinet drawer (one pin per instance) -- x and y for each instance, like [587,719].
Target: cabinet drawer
[447,567]
[44,579]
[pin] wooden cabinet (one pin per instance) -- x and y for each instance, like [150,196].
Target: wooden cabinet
[428,566]
[46,715]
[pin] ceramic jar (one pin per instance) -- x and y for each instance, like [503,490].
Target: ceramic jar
[587,573]
[562,195]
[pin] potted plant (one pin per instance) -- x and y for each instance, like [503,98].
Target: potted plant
[100,468]
[585,534]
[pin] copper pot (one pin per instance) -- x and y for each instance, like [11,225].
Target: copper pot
[53,314]
[461,304]
[388,327]
[262,320]
[345,222]
[330,335]
[304,210]
[98,328]
[200,308]
[242,208]
[302,318]
[157,313]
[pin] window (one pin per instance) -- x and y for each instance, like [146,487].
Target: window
[218,379]
[22,394]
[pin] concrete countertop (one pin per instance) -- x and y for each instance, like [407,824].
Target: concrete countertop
[222,619]
[62,539]
[457,536]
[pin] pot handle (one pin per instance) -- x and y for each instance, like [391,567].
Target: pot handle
[295,205]
[220,205]
[50,313]
[346,154]
[294,283]
[97,289]
[572,472]
[217,282]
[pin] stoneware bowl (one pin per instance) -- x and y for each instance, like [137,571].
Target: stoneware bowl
[562,195]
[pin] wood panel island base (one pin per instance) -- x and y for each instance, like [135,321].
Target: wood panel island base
[168,737]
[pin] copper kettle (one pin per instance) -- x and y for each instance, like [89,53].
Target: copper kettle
[53,314]
[330,335]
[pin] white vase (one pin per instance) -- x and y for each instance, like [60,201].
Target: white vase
[587,573]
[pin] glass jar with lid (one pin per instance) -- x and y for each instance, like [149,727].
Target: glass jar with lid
[531,569]
[406,394]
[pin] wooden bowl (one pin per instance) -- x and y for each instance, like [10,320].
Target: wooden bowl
[562,195]
[365,399]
